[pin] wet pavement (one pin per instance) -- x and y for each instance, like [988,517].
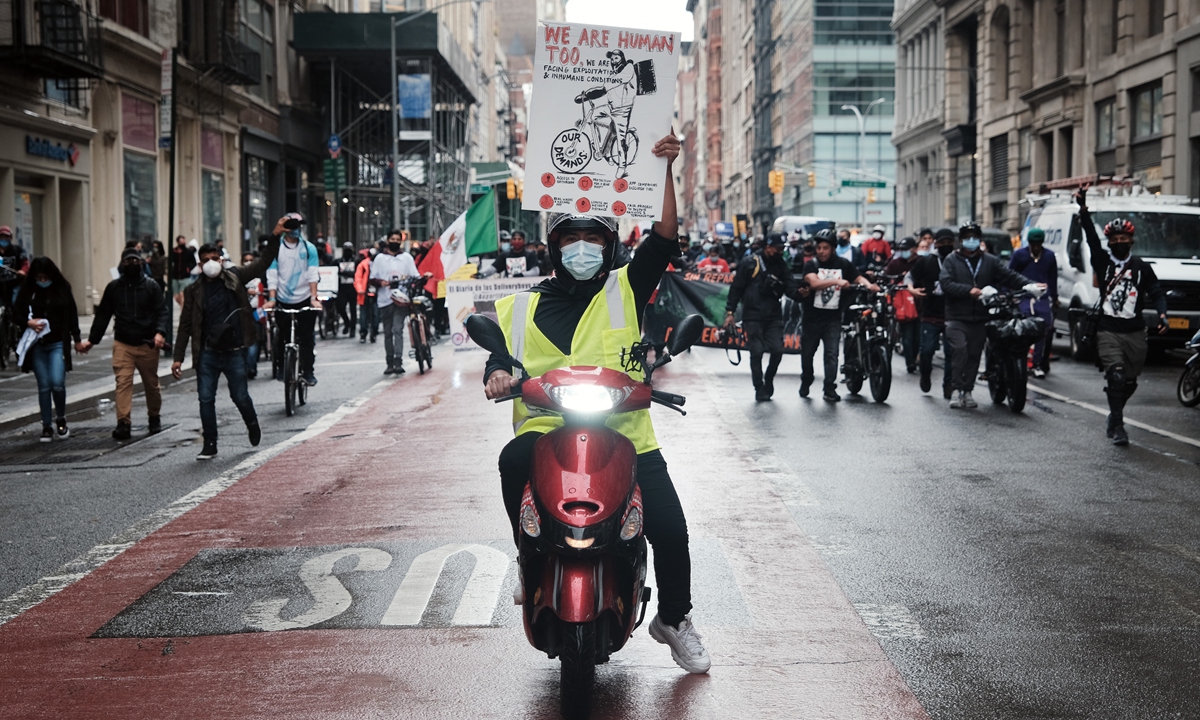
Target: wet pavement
[850,561]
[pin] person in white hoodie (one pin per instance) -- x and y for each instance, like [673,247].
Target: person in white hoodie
[292,284]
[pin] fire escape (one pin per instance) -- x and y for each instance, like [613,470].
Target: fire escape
[57,40]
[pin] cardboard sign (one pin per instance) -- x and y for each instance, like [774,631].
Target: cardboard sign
[602,97]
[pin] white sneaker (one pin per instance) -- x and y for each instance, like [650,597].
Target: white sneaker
[1038,373]
[686,648]
[957,401]
[968,401]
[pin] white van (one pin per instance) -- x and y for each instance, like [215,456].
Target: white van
[806,225]
[1167,235]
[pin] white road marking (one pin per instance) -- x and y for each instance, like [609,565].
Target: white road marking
[198,593]
[478,602]
[343,363]
[330,595]
[890,622]
[1104,411]
[31,595]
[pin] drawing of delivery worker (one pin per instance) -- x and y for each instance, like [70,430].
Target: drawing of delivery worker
[622,91]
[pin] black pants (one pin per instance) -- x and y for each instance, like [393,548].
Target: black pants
[764,336]
[966,340]
[665,525]
[347,307]
[306,326]
[828,332]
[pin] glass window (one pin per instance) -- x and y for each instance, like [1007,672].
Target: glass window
[256,195]
[258,32]
[212,150]
[860,84]
[1161,234]
[133,14]
[212,187]
[823,147]
[137,123]
[852,22]
[1106,124]
[1147,111]
[139,197]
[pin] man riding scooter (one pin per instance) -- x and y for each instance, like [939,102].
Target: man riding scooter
[568,320]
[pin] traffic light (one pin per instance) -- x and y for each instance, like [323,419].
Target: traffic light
[520,189]
[871,195]
[812,179]
[775,181]
[510,189]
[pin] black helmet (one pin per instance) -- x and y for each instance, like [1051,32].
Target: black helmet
[560,223]
[826,235]
[970,230]
[906,243]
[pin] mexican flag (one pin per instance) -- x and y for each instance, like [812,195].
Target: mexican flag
[473,233]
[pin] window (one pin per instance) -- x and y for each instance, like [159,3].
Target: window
[853,22]
[860,84]
[62,91]
[999,153]
[212,188]
[1195,89]
[139,197]
[258,32]
[1106,124]
[256,195]
[1147,111]
[133,14]
[1155,11]
[1001,42]
[1060,38]
[137,123]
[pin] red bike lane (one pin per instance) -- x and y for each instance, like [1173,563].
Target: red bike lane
[367,572]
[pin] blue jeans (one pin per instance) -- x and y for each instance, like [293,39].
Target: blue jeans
[368,318]
[212,365]
[51,374]
[930,335]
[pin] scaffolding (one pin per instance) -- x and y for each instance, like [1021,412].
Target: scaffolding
[348,57]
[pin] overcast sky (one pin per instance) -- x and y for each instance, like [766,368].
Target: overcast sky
[644,14]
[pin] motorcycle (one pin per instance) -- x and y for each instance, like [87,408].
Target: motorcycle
[868,354]
[1010,334]
[1188,389]
[580,548]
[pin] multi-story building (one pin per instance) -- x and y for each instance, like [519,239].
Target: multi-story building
[1037,94]
[703,205]
[923,167]
[689,169]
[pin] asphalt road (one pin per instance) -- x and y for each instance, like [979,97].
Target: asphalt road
[1009,565]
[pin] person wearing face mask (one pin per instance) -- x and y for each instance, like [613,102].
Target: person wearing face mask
[518,260]
[45,299]
[1037,263]
[140,331]
[219,323]
[292,282]
[847,251]
[567,320]
[1126,284]
[760,283]
[964,275]
[713,262]
[13,257]
[365,295]
[926,287]
[877,250]
[388,272]
[925,241]
[347,297]
[899,267]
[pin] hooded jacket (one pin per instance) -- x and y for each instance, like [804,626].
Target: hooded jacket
[137,305]
[957,281]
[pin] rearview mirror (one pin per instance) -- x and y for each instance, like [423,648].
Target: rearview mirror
[686,333]
[486,333]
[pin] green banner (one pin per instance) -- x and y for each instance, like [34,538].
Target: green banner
[683,293]
[483,235]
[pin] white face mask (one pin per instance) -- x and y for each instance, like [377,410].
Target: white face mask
[211,268]
[583,259]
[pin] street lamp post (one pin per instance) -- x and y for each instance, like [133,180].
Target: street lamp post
[862,137]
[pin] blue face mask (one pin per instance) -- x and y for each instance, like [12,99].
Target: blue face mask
[505,247]
[904,254]
[922,253]
[970,244]
[294,234]
[4,243]
[43,283]
[583,259]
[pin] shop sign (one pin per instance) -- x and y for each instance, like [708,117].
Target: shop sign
[51,151]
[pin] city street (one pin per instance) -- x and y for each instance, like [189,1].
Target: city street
[850,561]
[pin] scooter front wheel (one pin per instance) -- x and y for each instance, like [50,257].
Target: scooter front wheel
[578,669]
[1188,390]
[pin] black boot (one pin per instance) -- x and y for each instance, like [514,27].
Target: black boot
[1116,416]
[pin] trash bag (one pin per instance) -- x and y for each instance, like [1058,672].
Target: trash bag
[1017,330]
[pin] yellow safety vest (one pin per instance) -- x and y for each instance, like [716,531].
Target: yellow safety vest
[609,325]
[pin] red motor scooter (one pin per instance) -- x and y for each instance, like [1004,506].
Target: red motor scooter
[581,552]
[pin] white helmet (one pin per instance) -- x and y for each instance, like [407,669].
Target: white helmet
[879,228]
[399,297]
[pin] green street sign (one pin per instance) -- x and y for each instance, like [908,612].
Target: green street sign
[864,183]
[335,174]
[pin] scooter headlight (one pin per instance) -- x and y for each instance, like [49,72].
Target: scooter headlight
[587,398]
[530,522]
[633,524]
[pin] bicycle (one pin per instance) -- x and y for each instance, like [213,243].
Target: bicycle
[867,348]
[595,133]
[9,334]
[1009,337]
[420,329]
[295,390]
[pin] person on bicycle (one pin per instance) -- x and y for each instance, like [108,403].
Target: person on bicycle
[140,331]
[964,276]
[388,272]
[1040,265]
[347,296]
[621,92]
[567,320]
[760,284]
[827,275]
[1127,284]
[292,283]
[931,303]
[219,322]
[14,258]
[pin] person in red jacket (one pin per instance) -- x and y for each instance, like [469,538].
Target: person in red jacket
[877,250]
[366,297]
[713,262]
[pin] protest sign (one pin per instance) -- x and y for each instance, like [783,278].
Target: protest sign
[602,97]
[464,297]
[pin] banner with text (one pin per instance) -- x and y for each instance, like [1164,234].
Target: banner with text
[464,297]
[682,294]
[602,97]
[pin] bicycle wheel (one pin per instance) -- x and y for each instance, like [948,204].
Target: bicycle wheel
[414,336]
[1188,390]
[429,340]
[1018,375]
[881,372]
[290,378]
[995,380]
